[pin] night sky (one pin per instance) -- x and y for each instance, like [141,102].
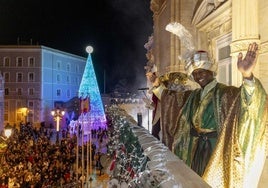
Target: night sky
[117,30]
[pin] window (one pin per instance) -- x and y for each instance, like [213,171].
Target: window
[76,68]
[68,79]
[30,77]
[224,60]
[30,104]
[19,62]
[6,91]
[58,65]
[68,93]
[68,67]
[19,91]
[6,76]
[58,93]
[31,91]
[58,78]
[31,62]
[19,77]
[6,61]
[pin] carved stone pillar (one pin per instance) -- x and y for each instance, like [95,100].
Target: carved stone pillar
[245,30]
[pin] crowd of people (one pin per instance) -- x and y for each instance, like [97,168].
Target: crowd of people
[33,159]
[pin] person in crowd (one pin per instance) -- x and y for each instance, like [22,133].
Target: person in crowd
[221,129]
[33,160]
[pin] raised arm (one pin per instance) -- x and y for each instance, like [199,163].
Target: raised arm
[246,65]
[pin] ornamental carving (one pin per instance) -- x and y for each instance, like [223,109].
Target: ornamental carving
[240,46]
[264,47]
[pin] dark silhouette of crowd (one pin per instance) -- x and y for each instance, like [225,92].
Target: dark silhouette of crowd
[33,160]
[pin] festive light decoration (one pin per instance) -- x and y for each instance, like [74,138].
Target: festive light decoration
[89,95]
[134,154]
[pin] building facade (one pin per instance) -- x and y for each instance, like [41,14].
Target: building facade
[2,89]
[37,80]
[222,27]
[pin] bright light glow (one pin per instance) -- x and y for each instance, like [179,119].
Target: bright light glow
[52,112]
[89,49]
[58,114]
[8,132]
[89,88]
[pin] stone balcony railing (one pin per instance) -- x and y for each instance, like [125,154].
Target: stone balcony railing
[175,172]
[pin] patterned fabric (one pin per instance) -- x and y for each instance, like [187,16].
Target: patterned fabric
[238,152]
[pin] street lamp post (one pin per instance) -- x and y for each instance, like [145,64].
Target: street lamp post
[4,140]
[8,131]
[57,114]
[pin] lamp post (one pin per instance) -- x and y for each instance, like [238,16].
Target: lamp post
[4,140]
[8,131]
[57,114]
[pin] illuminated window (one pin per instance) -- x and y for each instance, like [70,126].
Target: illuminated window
[19,77]
[30,77]
[31,62]
[6,76]
[6,61]
[19,62]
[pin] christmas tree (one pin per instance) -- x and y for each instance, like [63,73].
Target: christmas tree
[92,110]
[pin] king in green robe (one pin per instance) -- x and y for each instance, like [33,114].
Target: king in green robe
[220,130]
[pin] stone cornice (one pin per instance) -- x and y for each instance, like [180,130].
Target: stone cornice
[217,18]
[264,47]
[206,8]
[242,45]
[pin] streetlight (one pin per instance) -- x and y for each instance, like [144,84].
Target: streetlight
[8,130]
[57,114]
[4,142]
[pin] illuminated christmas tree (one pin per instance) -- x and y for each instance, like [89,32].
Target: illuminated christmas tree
[92,111]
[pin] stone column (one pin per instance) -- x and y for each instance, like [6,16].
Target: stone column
[245,30]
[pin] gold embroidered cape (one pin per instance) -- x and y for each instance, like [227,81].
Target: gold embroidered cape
[239,152]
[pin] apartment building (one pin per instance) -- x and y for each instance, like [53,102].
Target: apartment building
[37,79]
